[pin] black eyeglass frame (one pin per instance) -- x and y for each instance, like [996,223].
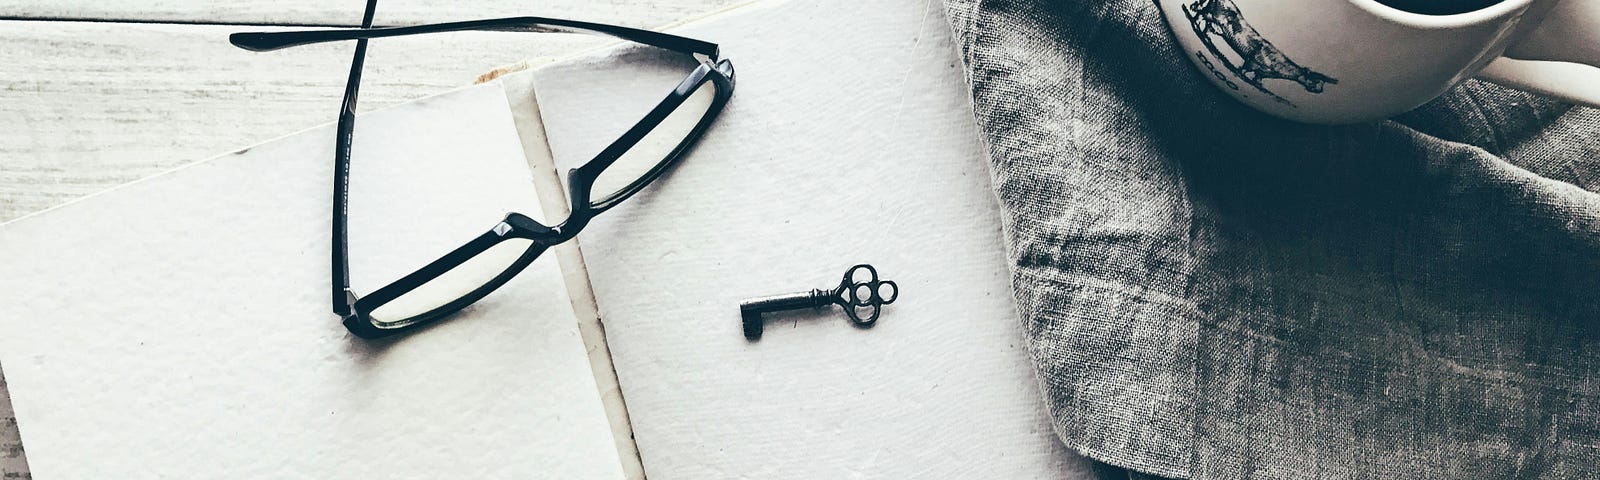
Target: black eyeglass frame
[355,311]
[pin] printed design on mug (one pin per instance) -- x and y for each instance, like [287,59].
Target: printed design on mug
[1258,59]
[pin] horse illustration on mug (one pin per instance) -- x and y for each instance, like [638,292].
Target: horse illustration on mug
[1259,59]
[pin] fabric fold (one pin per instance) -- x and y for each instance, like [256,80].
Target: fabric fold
[1211,292]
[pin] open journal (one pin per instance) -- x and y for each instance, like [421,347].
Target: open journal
[179,326]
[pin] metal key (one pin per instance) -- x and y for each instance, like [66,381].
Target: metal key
[854,297]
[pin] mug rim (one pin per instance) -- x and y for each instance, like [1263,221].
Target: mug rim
[1454,20]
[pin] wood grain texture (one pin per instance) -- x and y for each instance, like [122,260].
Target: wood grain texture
[86,106]
[89,105]
[348,12]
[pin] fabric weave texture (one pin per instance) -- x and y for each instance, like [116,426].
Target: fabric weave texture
[1210,292]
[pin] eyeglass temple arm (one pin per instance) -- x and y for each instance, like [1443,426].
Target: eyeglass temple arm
[343,299]
[267,41]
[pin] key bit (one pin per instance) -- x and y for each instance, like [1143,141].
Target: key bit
[862,301]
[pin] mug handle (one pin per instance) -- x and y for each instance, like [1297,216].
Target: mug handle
[1559,57]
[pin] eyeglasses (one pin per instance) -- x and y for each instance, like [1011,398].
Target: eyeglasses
[470,272]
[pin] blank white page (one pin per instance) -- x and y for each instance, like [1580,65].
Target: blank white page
[849,139]
[180,326]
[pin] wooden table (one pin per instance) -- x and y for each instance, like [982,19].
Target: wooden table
[95,93]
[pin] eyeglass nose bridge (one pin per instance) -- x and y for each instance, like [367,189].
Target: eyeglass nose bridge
[521,226]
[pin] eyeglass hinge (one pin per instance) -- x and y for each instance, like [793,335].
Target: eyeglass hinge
[708,59]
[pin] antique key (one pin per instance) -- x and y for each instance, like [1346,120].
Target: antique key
[856,297]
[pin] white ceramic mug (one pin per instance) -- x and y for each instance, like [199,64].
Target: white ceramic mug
[1343,61]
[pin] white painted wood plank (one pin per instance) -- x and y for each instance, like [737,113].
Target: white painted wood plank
[87,106]
[348,12]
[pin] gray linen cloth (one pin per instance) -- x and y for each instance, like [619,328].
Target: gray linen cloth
[1214,293]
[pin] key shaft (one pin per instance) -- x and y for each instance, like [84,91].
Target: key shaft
[750,310]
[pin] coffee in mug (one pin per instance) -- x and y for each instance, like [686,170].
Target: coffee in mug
[1438,7]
